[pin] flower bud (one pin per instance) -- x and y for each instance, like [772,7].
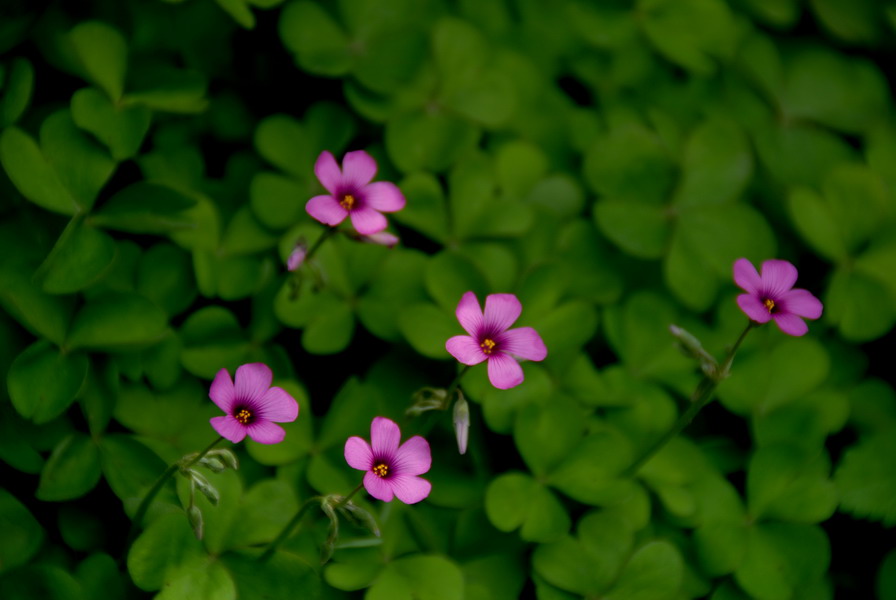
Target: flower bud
[195,517]
[382,238]
[297,256]
[360,517]
[227,457]
[692,347]
[461,422]
[426,399]
[326,551]
[207,489]
[213,463]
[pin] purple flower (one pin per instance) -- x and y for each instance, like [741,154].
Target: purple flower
[352,194]
[297,256]
[491,339]
[391,469]
[771,295]
[252,405]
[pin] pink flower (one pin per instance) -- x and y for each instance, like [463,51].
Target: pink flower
[491,339]
[352,194]
[252,405]
[391,469]
[771,295]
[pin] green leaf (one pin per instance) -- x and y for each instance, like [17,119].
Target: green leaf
[331,329]
[146,207]
[426,577]
[398,284]
[212,340]
[720,546]
[425,141]
[164,546]
[866,481]
[17,90]
[588,474]
[121,128]
[449,275]
[655,572]
[886,577]
[546,434]
[285,143]
[32,174]
[843,92]
[43,581]
[239,10]
[245,235]
[22,534]
[514,500]
[861,307]
[717,164]
[82,256]
[45,315]
[103,54]
[117,321]
[130,469]
[785,484]
[629,165]
[427,327]
[766,380]
[426,210]
[100,578]
[276,201]
[815,221]
[43,381]
[567,327]
[781,559]
[692,33]
[165,276]
[607,541]
[319,43]
[165,88]
[642,230]
[564,564]
[278,577]
[72,470]
[796,154]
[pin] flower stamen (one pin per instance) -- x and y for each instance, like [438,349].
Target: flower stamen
[347,202]
[244,416]
[488,345]
[380,470]
[769,304]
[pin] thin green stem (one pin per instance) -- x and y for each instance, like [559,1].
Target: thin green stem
[159,484]
[456,383]
[287,531]
[323,238]
[700,398]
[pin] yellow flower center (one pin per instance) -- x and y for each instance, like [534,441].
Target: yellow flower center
[347,202]
[244,416]
[769,304]
[487,345]
[381,470]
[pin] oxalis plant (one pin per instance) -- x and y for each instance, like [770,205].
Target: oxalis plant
[447,300]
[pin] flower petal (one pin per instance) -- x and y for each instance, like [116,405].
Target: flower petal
[377,487]
[358,454]
[790,324]
[266,432]
[801,302]
[778,276]
[745,275]
[328,173]
[465,349]
[367,221]
[358,168]
[383,238]
[277,405]
[413,457]
[754,308]
[384,438]
[384,196]
[470,314]
[229,428]
[327,210]
[221,391]
[409,489]
[503,371]
[501,310]
[252,382]
[523,342]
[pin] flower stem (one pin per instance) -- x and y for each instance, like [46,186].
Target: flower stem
[456,383]
[320,241]
[287,531]
[159,484]
[700,398]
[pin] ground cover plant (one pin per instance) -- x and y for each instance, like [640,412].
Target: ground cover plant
[447,299]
